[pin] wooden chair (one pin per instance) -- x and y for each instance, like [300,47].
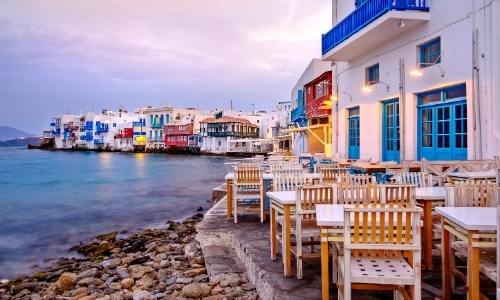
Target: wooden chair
[390,173]
[330,173]
[305,220]
[471,193]
[377,239]
[421,179]
[398,193]
[247,190]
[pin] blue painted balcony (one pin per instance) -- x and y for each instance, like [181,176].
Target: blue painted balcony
[101,127]
[56,131]
[370,25]
[157,125]
[99,142]
[89,125]
[298,113]
[87,137]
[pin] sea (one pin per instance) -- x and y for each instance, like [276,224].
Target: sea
[51,201]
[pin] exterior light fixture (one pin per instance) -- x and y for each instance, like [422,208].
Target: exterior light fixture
[418,72]
[367,87]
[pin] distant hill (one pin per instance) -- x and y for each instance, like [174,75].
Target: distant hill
[21,142]
[9,133]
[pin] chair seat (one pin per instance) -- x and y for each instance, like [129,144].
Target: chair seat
[383,270]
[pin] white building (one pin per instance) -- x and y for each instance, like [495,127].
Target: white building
[298,103]
[450,111]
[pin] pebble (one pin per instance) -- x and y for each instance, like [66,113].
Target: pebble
[151,264]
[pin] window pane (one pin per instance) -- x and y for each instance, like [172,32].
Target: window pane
[458,141]
[389,145]
[456,94]
[430,98]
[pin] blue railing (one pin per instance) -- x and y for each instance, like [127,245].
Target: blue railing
[52,124]
[101,127]
[98,142]
[87,137]
[298,113]
[157,125]
[89,125]
[364,15]
[56,131]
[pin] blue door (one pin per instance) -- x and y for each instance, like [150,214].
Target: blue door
[442,124]
[390,131]
[353,135]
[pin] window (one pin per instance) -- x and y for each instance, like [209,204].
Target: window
[219,143]
[430,53]
[114,124]
[321,89]
[372,74]
[442,124]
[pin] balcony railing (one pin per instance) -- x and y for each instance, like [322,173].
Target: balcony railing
[157,125]
[98,142]
[56,131]
[87,137]
[364,15]
[102,127]
[233,133]
[156,139]
[298,113]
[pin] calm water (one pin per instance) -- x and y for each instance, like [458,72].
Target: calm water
[52,200]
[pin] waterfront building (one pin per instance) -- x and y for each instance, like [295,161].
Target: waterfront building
[64,129]
[156,119]
[273,124]
[301,137]
[176,135]
[415,79]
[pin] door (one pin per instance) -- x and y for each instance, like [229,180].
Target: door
[353,133]
[390,131]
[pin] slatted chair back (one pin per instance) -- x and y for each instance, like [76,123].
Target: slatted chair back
[248,173]
[274,157]
[382,246]
[384,230]
[360,178]
[287,180]
[472,193]
[396,171]
[398,193]
[352,192]
[421,179]
[308,196]
[331,173]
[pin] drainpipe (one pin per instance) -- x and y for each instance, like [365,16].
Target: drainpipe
[477,152]
[402,127]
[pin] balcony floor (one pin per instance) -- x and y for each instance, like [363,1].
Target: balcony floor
[376,33]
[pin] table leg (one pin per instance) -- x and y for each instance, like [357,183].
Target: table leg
[229,197]
[286,242]
[473,264]
[427,234]
[445,260]
[325,280]
[272,234]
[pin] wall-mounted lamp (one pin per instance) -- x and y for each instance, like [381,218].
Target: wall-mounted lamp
[367,87]
[418,72]
[401,23]
[335,97]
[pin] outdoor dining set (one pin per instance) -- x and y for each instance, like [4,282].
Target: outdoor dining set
[375,225]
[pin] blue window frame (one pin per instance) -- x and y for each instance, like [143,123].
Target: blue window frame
[390,130]
[442,124]
[372,74]
[430,53]
[353,132]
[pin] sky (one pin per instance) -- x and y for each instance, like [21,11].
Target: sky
[71,56]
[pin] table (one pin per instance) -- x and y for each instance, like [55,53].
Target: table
[460,176]
[284,203]
[369,168]
[427,197]
[467,224]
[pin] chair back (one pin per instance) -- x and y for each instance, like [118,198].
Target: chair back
[398,193]
[249,173]
[330,173]
[396,171]
[421,179]
[274,157]
[384,230]
[472,193]
[287,179]
[309,196]
[352,192]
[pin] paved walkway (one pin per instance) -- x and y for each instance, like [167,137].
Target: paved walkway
[245,247]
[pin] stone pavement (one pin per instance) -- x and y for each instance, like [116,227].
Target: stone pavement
[245,247]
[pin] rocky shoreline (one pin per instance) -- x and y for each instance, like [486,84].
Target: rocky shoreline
[165,263]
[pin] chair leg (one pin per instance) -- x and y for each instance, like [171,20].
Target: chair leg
[335,257]
[311,240]
[347,276]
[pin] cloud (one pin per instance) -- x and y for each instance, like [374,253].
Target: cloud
[159,47]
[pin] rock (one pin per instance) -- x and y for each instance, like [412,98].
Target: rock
[39,276]
[200,278]
[178,265]
[145,281]
[122,273]
[4,281]
[66,281]
[109,280]
[111,263]
[24,286]
[89,273]
[196,290]
[137,271]
[200,208]
[195,271]
[56,274]
[248,287]
[127,283]
[144,295]
[35,297]
[139,260]
[22,293]
[171,280]
[107,236]
[162,275]
[164,264]
[115,286]
[89,281]
[80,291]
[161,249]
[191,250]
